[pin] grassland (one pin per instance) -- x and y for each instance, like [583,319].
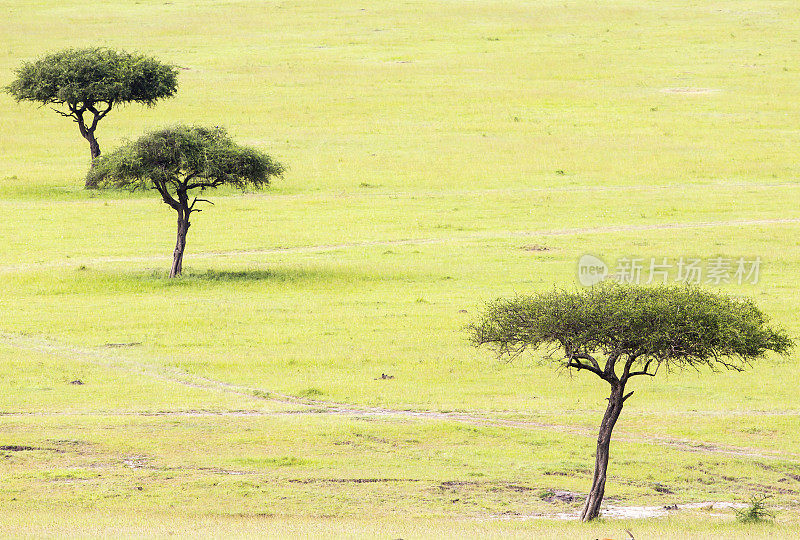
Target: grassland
[441,153]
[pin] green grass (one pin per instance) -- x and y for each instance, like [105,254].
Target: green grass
[295,465]
[136,526]
[442,95]
[440,154]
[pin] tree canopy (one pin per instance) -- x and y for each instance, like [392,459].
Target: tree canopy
[92,81]
[176,161]
[184,158]
[85,77]
[622,331]
[676,326]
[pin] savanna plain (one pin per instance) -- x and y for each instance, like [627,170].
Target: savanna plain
[310,374]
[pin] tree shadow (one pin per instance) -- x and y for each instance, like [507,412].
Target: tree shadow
[275,275]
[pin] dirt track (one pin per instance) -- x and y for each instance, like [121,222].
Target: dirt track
[107,358]
[545,233]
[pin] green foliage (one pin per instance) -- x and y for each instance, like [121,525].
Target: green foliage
[80,78]
[184,158]
[757,512]
[310,393]
[428,157]
[92,82]
[176,160]
[679,326]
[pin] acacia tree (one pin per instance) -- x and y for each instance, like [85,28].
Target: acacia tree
[90,82]
[179,162]
[617,332]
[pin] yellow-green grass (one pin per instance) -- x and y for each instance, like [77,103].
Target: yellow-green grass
[337,319]
[92,524]
[440,154]
[439,94]
[324,326]
[316,466]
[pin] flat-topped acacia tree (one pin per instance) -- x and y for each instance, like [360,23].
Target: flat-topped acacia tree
[617,332]
[81,82]
[179,162]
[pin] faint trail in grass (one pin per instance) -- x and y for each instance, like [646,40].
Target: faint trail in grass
[372,193]
[378,192]
[545,233]
[107,359]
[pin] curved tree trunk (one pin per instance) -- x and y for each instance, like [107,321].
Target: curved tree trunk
[94,148]
[592,508]
[180,244]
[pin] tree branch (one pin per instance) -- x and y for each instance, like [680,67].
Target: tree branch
[162,189]
[98,115]
[589,357]
[608,373]
[644,370]
[575,356]
[188,176]
[629,364]
[204,185]
[78,112]
[728,365]
[66,115]
[197,200]
[105,111]
[577,364]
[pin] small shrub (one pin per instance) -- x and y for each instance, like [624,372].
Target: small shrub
[310,392]
[547,494]
[757,512]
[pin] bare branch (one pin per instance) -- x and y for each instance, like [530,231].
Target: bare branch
[187,177]
[629,364]
[104,112]
[577,364]
[197,200]
[644,370]
[168,199]
[98,114]
[586,356]
[66,115]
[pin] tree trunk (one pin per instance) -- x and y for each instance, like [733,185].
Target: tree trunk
[180,244]
[592,508]
[94,148]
